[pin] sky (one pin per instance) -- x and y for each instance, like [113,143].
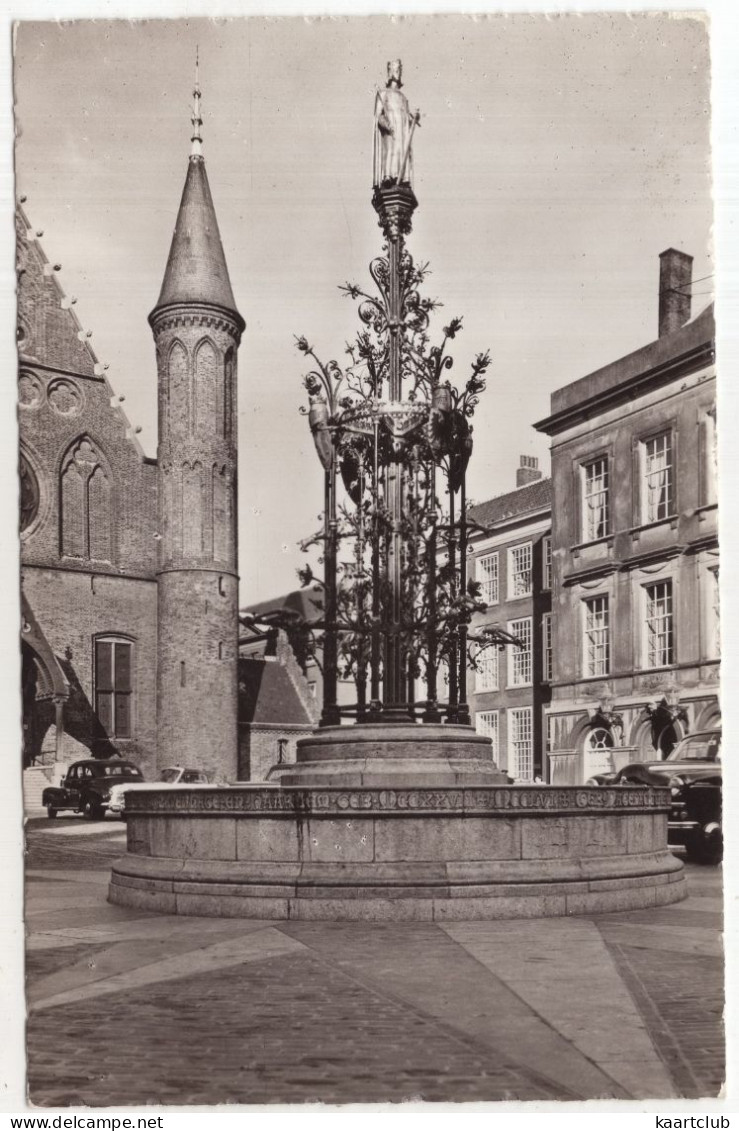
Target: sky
[556,158]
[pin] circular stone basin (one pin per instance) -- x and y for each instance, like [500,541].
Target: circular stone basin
[397,853]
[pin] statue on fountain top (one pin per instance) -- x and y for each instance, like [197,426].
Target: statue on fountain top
[394,126]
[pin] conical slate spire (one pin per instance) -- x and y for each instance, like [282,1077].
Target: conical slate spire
[196,269]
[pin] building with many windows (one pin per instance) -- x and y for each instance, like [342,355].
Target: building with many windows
[635,559]
[511,559]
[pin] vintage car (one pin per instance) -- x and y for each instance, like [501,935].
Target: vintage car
[169,778]
[87,786]
[693,773]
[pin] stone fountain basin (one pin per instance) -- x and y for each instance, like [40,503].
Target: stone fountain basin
[397,853]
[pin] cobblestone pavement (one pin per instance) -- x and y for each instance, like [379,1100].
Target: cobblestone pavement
[129,1007]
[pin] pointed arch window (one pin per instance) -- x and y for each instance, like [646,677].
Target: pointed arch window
[204,391]
[86,523]
[176,395]
[229,391]
[30,494]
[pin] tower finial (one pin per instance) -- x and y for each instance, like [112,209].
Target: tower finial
[197,121]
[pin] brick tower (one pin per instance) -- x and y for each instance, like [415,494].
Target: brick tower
[197,330]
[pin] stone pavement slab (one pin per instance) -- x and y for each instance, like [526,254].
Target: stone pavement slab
[682,940]
[266,943]
[422,966]
[563,970]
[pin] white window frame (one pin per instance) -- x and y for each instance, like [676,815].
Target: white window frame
[710,457]
[657,477]
[547,651]
[116,693]
[521,743]
[658,624]
[519,571]
[596,636]
[490,584]
[520,659]
[713,606]
[488,677]
[595,499]
[488,723]
[546,562]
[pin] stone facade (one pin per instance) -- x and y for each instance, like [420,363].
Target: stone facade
[635,552]
[88,539]
[509,690]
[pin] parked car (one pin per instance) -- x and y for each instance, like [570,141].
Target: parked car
[87,786]
[168,778]
[693,772]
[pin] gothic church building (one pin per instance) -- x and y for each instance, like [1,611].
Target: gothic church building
[129,576]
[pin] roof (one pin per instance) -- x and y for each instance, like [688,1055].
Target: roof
[54,683]
[196,269]
[305,602]
[534,496]
[691,339]
[268,695]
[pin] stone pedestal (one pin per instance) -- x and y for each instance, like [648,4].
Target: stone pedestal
[380,754]
[376,832]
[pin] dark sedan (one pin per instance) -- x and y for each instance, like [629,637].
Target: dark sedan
[87,785]
[693,773]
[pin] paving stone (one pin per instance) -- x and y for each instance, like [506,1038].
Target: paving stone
[295,1030]
[184,1010]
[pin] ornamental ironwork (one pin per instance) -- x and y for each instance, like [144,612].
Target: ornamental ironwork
[394,436]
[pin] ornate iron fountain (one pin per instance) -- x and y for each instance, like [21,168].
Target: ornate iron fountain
[394,436]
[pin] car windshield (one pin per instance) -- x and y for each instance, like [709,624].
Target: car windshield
[697,748]
[117,770]
[170,775]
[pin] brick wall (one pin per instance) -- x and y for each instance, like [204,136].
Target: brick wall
[260,748]
[78,607]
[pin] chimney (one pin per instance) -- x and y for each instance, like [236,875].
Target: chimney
[675,279]
[528,472]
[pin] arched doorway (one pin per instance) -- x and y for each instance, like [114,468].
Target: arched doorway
[44,690]
[598,745]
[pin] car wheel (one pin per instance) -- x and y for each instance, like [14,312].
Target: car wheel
[712,849]
[704,849]
[50,811]
[94,811]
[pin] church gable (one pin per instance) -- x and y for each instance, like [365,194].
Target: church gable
[90,494]
[48,329]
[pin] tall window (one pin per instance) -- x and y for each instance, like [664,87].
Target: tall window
[714,613]
[486,677]
[595,504]
[710,457]
[596,637]
[520,658]
[486,722]
[657,478]
[113,686]
[486,569]
[546,559]
[521,744]
[659,646]
[546,642]
[519,570]
[86,520]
